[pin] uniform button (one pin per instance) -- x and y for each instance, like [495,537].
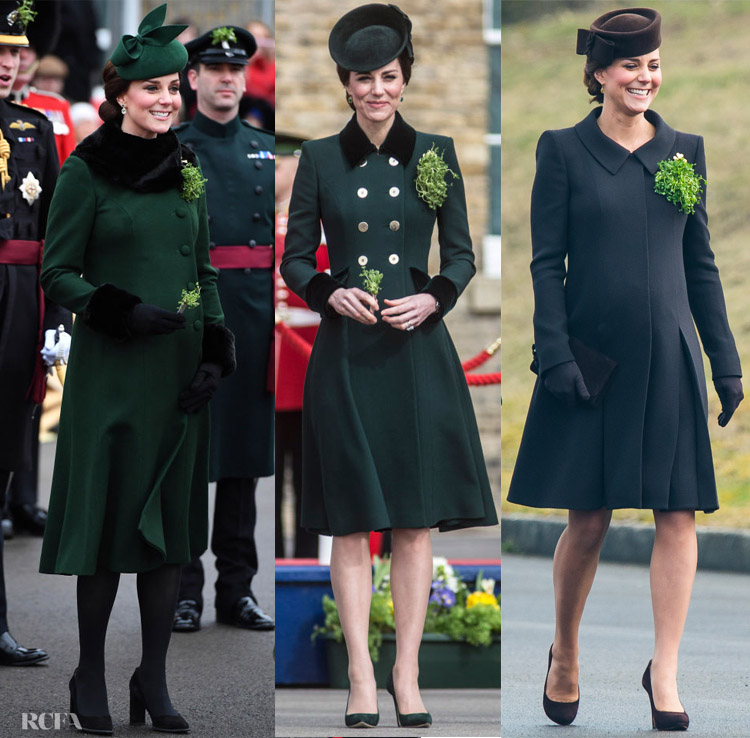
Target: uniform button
[252,242]
[256,217]
[363,163]
[258,190]
[394,225]
[393,192]
[247,270]
[282,294]
[254,144]
[362,227]
[393,258]
[198,324]
[393,162]
[362,261]
[180,212]
[361,192]
[258,165]
[184,249]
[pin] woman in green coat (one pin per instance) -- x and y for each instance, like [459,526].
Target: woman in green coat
[127,238]
[389,435]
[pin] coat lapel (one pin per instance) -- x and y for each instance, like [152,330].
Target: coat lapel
[612,156]
[399,142]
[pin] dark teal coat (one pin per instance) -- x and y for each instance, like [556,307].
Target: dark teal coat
[390,439]
[237,160]
[640,275]
[130,484]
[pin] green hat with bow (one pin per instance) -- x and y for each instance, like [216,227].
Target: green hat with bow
[153,52]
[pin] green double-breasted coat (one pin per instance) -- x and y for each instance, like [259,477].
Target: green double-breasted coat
[129,490]
[389,434]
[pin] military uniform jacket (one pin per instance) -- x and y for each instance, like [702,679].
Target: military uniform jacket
[640,275]
[33,160]
[389,435]
[238,162]
[129,490]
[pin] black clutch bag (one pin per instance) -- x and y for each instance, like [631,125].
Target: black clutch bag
[596,368]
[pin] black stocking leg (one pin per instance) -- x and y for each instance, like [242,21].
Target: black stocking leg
[157,597]
[5,477]
[95,595]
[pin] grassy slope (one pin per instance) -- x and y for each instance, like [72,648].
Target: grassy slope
[705,58]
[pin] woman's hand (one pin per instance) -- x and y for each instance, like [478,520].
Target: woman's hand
[565,382]
[202,388]
[354,303]
[408,312]
[149,320]
[730,393]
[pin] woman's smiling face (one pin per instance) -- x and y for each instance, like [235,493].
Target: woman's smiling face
[152,105]
[632,83]
[376,95]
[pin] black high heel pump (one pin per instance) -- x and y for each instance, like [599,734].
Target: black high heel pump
[661,719]
[138,707]
[96,724]
[562,713]
[409,719]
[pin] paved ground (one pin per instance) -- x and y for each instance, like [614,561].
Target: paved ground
[616,645]
[309,713]
[221,678]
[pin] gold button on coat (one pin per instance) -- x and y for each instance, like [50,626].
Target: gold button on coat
[394,225]
[393,162]
[393,192]
[393,258]
[362,261]
[361,192]
[362,227]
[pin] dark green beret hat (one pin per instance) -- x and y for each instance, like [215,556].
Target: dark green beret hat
[370,36]
[620,34]
[153,52]
[223,45]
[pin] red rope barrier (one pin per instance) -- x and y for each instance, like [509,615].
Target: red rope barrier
[477,380]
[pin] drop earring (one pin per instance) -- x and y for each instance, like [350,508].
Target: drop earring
[602,90]
[349,99]
[402,98]
[123,109]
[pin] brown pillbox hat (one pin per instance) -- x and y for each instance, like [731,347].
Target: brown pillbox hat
[620,33]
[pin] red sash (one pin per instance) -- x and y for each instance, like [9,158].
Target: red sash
[242,257]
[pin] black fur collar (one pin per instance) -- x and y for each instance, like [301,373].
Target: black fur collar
[140,164]
[399,142]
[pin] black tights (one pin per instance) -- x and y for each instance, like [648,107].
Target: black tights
[5,478]
[157,599]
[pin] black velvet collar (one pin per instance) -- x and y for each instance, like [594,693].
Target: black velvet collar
[612,156]
[399,142]
[140,164]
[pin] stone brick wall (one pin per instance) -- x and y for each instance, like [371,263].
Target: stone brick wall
[447,94]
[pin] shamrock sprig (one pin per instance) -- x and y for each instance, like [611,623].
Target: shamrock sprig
[371,279]
[189,299]
[193,182]
[432,170]
[678,182]
[224,33]
[24,13]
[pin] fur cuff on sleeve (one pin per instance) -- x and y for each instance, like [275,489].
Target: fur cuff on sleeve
[444,291]
[319,289]
[218,347]
[107,311]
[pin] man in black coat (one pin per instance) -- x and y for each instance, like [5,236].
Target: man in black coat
[28,172]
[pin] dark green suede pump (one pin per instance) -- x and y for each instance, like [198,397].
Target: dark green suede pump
[411,719]
[360,719]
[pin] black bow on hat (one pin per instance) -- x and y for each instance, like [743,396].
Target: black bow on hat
[620,34]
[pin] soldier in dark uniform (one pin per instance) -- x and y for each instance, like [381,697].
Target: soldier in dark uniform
[238,161]
[28,172]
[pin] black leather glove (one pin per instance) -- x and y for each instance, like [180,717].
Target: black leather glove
[149,320]
[565,382]
[730,393]
[202,388]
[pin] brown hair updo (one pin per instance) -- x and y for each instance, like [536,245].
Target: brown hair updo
[403,60]
[114,86]
[592,84]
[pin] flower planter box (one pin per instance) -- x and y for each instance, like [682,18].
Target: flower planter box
[443,663]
